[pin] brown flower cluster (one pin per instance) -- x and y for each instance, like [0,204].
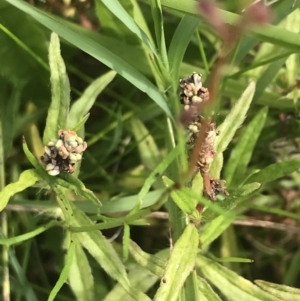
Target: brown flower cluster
[62,153]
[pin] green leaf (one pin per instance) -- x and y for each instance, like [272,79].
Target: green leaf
[151,262]
[83,105]
[159,32]
[27,178]
[103,252]
[73,183]
[112,26]
[186,204]
[64,273]
[80,276]
[283,292]
[231,201]
[139,277]
[241,154]
[99,52]
[234,119]
[230,284]
[20,238]
[268,75]
[206,293]
[275,171]
[78,126]
[228,128]
[179,43]
[60,88]
[148,149]
[156,173]
[117,9]
[215,228]
[179,265]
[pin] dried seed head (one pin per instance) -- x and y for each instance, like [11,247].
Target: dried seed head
[62,154]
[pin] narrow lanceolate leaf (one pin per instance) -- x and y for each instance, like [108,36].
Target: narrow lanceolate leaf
[139,277]
[27,178]
[74,183]
[185,203]
[206,293]
[80,277]
[230,284]
[229,127]
[148,261]
[60,88]
[179,266]
[148,149]
[241,154]
[83,104]
[215,228]
[103,252]
[275,171]
[234,119]
[283,292]
[231,201]
[64,273]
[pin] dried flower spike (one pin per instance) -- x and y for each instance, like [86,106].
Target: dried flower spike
[193,95]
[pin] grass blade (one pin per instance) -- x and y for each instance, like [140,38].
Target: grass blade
[96,50]
[117,9]
[179,43]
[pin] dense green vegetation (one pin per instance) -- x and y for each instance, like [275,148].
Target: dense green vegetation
[189,186]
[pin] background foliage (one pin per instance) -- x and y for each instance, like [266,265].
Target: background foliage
[121,62]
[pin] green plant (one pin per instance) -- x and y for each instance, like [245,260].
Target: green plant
[183,182]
